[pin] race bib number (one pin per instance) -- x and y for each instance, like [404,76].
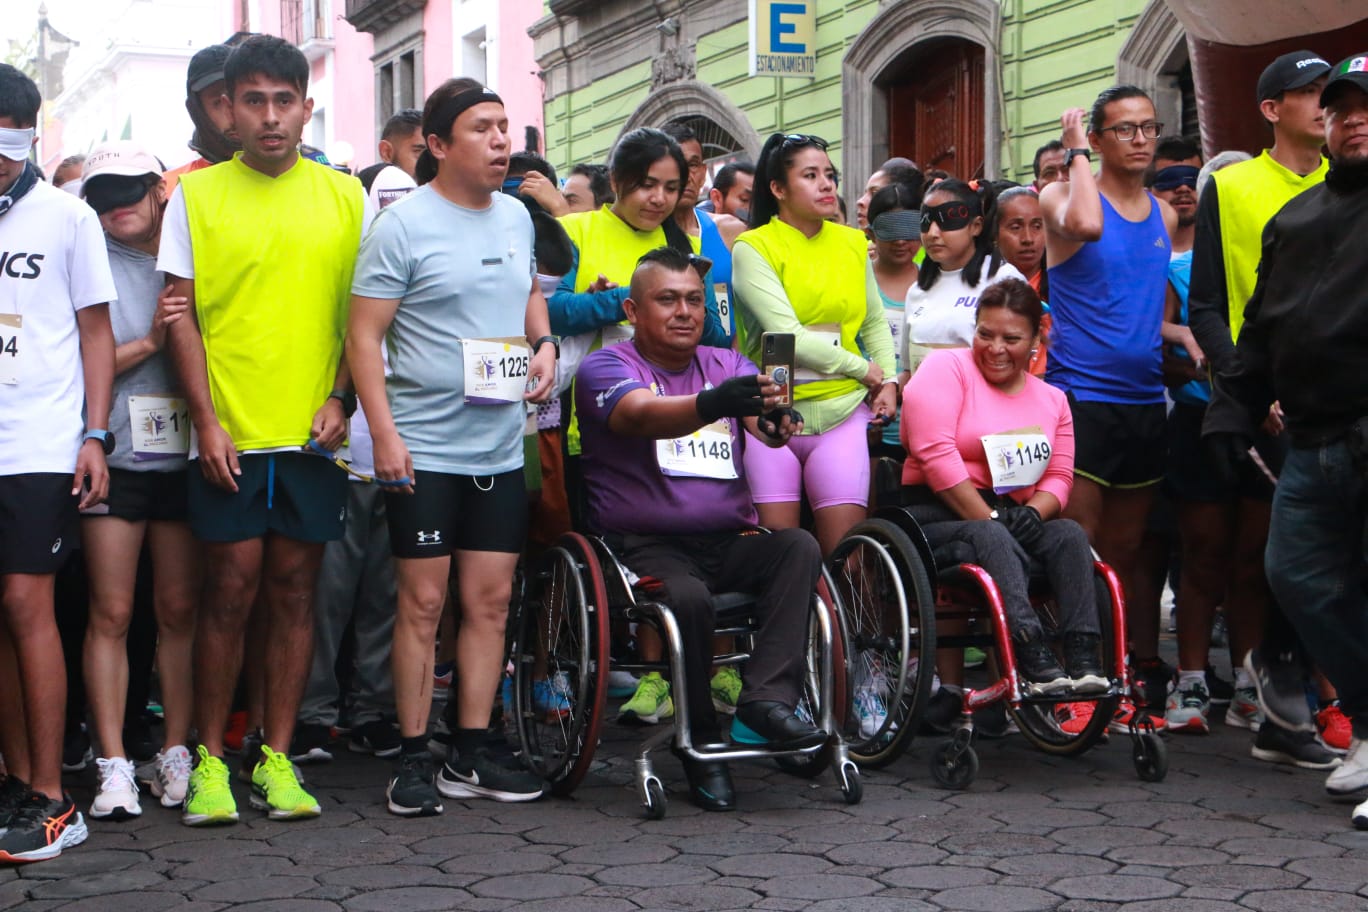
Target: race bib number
[495,370]
[618,332]
[724,308]
[160,427]
[826,334]
[706,453]
[11,347]
[895,326]
[1016,459]
[917,353]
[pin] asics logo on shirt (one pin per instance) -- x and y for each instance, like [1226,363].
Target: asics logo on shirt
[430,538]
[11,263]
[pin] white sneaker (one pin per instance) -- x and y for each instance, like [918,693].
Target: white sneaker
[872,712]
[1350,779]
[172,776]
[1360,816]
[117,796]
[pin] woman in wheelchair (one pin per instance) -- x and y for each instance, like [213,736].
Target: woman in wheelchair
[990,466]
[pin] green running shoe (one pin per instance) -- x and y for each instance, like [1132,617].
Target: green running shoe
[208,797]
[650,703]
[276,789]
[726,689]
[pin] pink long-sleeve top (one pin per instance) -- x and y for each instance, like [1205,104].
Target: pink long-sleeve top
[947,409]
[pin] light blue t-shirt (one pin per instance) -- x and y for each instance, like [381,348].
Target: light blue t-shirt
[458,274]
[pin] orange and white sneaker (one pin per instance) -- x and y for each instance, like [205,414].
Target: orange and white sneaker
[1335,730]
[41,828]
[1125,711]
[1073,718]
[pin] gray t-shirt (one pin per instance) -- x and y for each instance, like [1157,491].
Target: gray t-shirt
[458,274]
[138,284]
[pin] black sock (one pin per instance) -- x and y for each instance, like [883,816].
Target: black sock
[416,745]
[466,741]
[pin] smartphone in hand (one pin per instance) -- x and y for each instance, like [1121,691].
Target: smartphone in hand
[776,360]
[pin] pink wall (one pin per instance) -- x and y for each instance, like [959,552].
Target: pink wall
[437,45]
[353,90]
[519,85]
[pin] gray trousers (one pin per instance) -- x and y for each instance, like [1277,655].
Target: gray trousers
[355,586]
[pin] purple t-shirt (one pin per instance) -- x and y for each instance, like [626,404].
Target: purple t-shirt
[628,491]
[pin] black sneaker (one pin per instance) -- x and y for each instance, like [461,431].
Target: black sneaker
[1219,689]
[1275,744]
[481,776]
[138,741]
[942,711]
[13,791]
[376,737]
[991,721]
[310,744]
[40,828]
[1082,661]
[1152,680]
[413,792]
[76,752]
[251,755]
[1037,665]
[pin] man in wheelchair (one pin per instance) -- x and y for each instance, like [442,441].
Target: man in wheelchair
[661,419]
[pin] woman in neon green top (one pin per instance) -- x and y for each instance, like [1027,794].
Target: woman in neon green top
[796,272]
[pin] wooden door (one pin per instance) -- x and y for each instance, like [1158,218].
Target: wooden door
[935,110]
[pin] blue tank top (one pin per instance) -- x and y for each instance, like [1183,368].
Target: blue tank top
[1106,309]
[714,248]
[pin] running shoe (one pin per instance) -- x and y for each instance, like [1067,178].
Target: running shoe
[138,740]
[172,776]
[235,733]
[40,828]
[943,710]
[1244,710]
[1360,816]
[993,723]
[1282,691]
[208,797]
[442,673]
[1334,727]
[439,739]
[726,689]
[1275,744]
[649,704]
[974,657]
[376,737]
[1187,709]
[412,792]
[1350,779]
[310,744]
[1125,711]
[276,789]
[1073,718]
[621,684]
[550,700]
[13,791]
[116,797]
[872,712]
[1221,690]
[1038,667]
[76,752]
[250,745]
[1151,679]
[482,776]
[1083,663]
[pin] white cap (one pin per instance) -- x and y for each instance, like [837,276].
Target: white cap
[121,157]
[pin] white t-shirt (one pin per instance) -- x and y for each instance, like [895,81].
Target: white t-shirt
[943,316]
[52,264]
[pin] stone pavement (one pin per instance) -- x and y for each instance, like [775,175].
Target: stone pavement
[1223,832]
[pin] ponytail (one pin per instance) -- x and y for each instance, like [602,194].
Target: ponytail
[980,195]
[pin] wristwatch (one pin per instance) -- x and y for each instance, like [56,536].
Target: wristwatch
[1070,153]
[554,340]
[348,400]
[105,437]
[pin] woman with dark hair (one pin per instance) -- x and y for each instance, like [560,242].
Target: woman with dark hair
[648,173]
[961,261]
[965,411]
[894,215]
[1020,235]
[795,272]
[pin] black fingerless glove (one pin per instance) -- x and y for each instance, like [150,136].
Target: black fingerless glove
[769,424]
[738,397]
[1025,524]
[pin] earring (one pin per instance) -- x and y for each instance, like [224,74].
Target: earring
[1034,351]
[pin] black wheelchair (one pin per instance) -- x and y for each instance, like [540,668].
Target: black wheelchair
[570,599]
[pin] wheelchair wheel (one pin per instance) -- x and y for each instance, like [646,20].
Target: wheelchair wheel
[563,618]
[654,799]
[955,763]
[1149,753]
[1039,722]
[890,615]
[825,600]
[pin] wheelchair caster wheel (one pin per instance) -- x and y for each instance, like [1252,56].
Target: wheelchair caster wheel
[954,765]
[1150,755]
[852,788]
[654,799]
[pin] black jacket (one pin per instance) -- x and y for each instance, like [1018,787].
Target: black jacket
[1304,341]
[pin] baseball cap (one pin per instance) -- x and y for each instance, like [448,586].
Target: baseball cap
[116,174]
[206,67]
[1350,71]
[1291,71]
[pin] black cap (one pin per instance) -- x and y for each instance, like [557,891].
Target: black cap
[1350,71]
[206,67]
[1291,71]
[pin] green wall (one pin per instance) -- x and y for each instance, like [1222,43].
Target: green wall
[1054,55]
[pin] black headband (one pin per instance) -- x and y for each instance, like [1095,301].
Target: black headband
[454,107]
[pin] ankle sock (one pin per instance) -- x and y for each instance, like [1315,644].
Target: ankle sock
[415,745]
[1189,678]
[1243,679]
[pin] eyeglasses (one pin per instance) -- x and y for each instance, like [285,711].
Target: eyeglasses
[798,140]
[1126,131]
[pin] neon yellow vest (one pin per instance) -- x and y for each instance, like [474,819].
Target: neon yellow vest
[824,278]
[273,268]
[1251,193]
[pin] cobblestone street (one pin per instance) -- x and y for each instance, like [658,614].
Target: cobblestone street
[1223,832]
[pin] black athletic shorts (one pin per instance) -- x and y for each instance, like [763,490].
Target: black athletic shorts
[1118,445]
[39,525]
[1190,477]
[448,513]
[144,496]
[297,495]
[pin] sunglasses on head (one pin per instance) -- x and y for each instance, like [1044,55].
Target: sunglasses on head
[800,140]
[950,216]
